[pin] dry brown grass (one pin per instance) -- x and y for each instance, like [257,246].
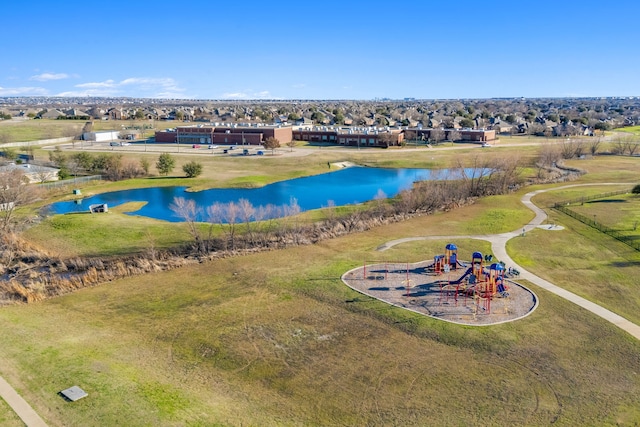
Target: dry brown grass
[276,339]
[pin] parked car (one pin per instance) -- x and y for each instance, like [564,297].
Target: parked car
[195,146]
[114,144]
[245,152]
[260,153]
[124,144]
[211,147]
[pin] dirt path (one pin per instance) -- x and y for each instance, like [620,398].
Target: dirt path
[498,246]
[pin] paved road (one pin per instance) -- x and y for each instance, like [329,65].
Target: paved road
[498,246]
[20,406]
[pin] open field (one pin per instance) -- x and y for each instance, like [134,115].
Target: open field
[8,418]
[33,130]
[275,338]
[635,130]
[621,212]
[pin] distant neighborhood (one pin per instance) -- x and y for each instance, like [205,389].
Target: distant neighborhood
[369,123]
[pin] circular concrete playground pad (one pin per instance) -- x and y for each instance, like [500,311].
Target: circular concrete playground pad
[445,296]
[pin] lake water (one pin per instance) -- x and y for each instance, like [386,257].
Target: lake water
[344,187]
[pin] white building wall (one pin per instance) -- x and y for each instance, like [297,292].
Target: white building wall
[109,135]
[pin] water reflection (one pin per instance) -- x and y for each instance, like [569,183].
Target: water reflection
[347,186]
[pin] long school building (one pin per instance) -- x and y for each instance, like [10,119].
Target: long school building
[231,134]
[258,134]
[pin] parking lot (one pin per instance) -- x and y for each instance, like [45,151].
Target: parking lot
[146,147]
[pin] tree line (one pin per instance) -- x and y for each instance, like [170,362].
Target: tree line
[114,166]
[241,225]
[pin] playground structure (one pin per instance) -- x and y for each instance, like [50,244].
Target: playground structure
[477,283]
[446,288]
[447,262]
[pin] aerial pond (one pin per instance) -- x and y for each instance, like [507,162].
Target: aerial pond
[344,187]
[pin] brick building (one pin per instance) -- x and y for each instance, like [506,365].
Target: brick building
[360,137]
[228,134]
[252,134]
[466,135]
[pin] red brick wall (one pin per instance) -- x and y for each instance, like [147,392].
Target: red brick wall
[236,138]
[283,134]
[163,136]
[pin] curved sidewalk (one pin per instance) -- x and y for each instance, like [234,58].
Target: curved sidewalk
[499,248]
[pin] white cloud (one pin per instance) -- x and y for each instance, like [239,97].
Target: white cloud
[134,86]
[86,93]
[235,95]
[93,85]
[23,91]
[45,77]
[264,94]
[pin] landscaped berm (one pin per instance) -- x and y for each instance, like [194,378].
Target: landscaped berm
[470,293]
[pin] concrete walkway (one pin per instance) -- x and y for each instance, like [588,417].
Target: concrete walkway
[499,248]
[20,406]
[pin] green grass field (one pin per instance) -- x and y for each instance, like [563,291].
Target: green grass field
[635,130]
[33,130]
[621,212]
[276,339]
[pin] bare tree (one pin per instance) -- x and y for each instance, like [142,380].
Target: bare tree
[594,145]
[568,149]
[73,166]
[619,146]
[189,212]
[454,135]
[44,174]
[535,129]
[329,211]
[436,135]
[114,167]
[387,139]
[132,169]
[247,212]
[548,157]
[151,242]
[292,222]
[227,214]
[15,191]
[380,199]
[264,216]
[410,135]
[475,179]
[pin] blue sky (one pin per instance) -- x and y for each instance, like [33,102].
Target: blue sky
[320,50]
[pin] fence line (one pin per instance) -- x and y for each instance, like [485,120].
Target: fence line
[589,198]
[72,181]
[616,234]
[38,142]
